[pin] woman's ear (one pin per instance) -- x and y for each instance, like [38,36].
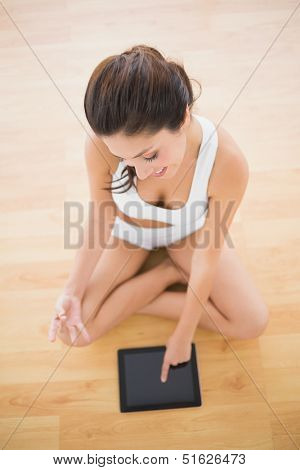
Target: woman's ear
[187,118]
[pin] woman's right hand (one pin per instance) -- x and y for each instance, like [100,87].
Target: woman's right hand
[68,314]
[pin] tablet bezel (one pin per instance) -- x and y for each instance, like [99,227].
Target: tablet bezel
[124,407]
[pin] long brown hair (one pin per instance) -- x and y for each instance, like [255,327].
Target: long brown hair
[138,91]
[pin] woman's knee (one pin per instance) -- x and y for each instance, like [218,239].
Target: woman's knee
[256,324]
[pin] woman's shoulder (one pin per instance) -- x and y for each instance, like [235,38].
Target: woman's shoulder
[230,162]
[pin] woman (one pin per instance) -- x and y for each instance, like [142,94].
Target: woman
[184,182]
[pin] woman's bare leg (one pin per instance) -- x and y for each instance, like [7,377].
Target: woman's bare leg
[126,299]
[170,305]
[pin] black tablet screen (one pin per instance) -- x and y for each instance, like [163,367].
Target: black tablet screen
[141,387]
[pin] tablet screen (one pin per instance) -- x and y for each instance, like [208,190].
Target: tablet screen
[140,385]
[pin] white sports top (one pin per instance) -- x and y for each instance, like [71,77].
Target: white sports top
[195,209]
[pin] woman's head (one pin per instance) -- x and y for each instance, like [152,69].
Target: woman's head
[136,100]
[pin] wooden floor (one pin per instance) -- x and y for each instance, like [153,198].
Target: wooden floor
[246,57]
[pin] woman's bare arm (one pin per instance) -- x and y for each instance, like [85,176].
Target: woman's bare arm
[98,222]
[209,240]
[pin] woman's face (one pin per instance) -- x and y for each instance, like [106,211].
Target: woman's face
[164,149]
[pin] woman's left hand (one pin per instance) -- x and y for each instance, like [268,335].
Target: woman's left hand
[179,349]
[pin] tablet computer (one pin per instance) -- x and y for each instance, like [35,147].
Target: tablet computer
[140,386]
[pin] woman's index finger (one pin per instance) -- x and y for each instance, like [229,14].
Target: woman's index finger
[53,328]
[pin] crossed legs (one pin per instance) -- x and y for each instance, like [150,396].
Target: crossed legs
[145,293]
[243,313]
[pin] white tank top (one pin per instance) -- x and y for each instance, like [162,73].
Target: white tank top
[131,204]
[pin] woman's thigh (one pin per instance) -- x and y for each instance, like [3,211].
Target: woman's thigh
[119,261]
[233,290]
